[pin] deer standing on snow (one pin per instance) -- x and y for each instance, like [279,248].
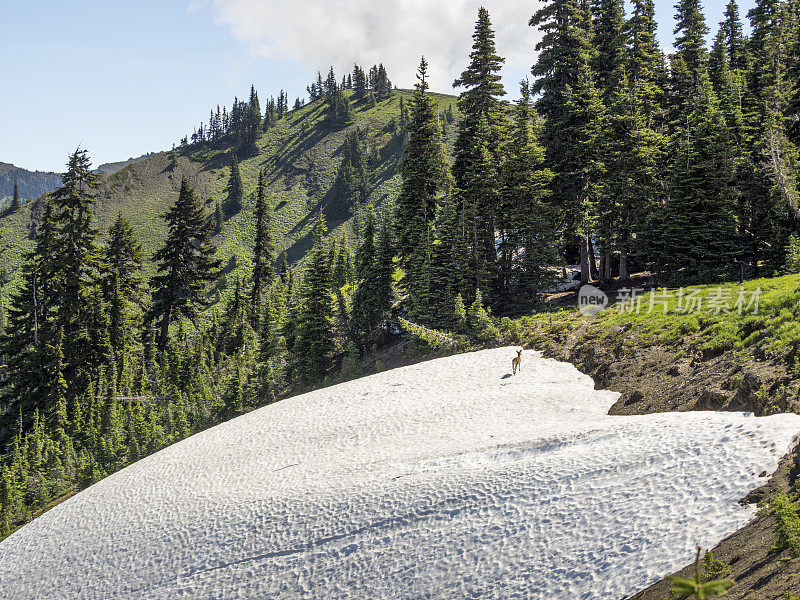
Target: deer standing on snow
[516,363]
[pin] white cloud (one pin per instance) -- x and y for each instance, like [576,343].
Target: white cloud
[318,33]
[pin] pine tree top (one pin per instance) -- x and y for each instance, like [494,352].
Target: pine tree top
[481,79]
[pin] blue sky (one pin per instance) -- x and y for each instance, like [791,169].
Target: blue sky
[122,79]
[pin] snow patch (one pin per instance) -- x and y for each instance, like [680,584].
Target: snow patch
[446,479]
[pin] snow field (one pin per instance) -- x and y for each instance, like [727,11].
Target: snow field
[446,479]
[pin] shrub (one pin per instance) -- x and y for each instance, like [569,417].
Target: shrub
[480,322]
[787,525]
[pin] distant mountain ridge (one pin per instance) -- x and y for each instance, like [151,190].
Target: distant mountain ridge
[32,184]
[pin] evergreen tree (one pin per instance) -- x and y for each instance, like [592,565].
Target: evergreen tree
[124,287]
[350,186]
[236,332]
[365,254]
[582,171]
[735,42]
[695,230]
[419,279]
[286,274]
[690,31]
[773,155]
[793,73]
[263,251]
[75,258]
[15,204]
[571,108]
[186,263]
[646,68]
[338,112]
[375,292]
[563,50]
[30,322]
[477,154]
[423,169]
[272,344]
[217,217]
[359,84]
[315,344]
[610,39]
[448,268]
[526,215]
[235,189]
[343,271]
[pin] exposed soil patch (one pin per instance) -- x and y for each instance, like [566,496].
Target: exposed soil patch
[676,378]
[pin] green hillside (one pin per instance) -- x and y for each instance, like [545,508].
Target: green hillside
[113,167]
[300,155]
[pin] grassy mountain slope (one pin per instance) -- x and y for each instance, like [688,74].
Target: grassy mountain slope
[32,184]
[112,167]
[300,156]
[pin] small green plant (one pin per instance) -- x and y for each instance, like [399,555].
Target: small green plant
[789,595]
[713,568]
[787,525]
[697,588]
[480,322]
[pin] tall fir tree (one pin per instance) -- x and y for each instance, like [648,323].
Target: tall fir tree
[690,31]
[646,68]
[793,72]
[235,188]
[448,269]
[424,169]
[264,248]
[773,155]
[478,146]
[315,344]
[375,293]
[527,216]
[581,172]
[610,72]
[365,254]
[564,80]
[76,258]
[610,39]
[124,287]
[350,187]
[15,203]
[695,229]
[735,43]
[186,264]
[30,323]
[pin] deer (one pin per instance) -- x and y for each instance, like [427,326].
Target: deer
[516,363]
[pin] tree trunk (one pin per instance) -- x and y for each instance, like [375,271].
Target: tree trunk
[607,258]
[623,264]
[603,266]
[164,336]
[584,248]
[592,260]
